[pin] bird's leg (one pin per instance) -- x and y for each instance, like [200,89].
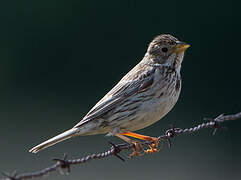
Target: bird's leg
[137,145]
[153,148]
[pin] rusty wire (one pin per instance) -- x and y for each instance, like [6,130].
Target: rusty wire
[65,164]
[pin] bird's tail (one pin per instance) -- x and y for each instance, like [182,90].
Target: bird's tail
[65,135]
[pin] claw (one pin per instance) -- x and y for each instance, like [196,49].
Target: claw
[138,148]
[153,148]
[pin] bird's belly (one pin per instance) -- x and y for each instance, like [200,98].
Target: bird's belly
[151,112]
[142,110]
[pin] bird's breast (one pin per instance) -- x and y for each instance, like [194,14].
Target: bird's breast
[157,102]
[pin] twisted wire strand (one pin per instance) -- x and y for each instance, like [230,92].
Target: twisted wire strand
[64,163]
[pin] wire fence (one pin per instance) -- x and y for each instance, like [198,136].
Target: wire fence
[63,165]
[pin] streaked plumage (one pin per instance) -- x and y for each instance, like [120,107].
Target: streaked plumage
[142,97]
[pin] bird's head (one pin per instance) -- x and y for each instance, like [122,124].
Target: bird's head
[167,50]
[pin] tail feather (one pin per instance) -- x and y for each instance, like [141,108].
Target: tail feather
[63,136]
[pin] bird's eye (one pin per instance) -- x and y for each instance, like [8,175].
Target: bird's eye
[164,49]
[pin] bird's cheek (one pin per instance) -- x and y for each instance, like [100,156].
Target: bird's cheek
[170,59]
[165,60]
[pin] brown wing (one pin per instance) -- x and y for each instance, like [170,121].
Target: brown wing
[123,90]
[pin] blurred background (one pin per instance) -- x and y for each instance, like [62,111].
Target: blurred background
[58,58]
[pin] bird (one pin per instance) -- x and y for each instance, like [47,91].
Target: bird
[142,97]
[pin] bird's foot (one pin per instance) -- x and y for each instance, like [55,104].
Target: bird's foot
[138,149]
[153,148]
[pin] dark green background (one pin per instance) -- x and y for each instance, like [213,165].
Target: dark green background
[58,58]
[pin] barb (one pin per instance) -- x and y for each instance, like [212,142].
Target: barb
[65,164]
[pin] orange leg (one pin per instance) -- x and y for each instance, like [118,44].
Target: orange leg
[137,145]
[153,147]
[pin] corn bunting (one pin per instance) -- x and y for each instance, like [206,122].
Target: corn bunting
[142,97]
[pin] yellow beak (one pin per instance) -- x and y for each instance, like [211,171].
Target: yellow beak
[181,47]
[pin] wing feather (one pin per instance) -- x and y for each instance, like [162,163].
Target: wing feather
[123,90]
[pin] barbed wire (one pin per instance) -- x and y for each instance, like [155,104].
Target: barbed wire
[65,164]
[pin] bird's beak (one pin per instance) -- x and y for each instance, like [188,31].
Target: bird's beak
[181,47]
